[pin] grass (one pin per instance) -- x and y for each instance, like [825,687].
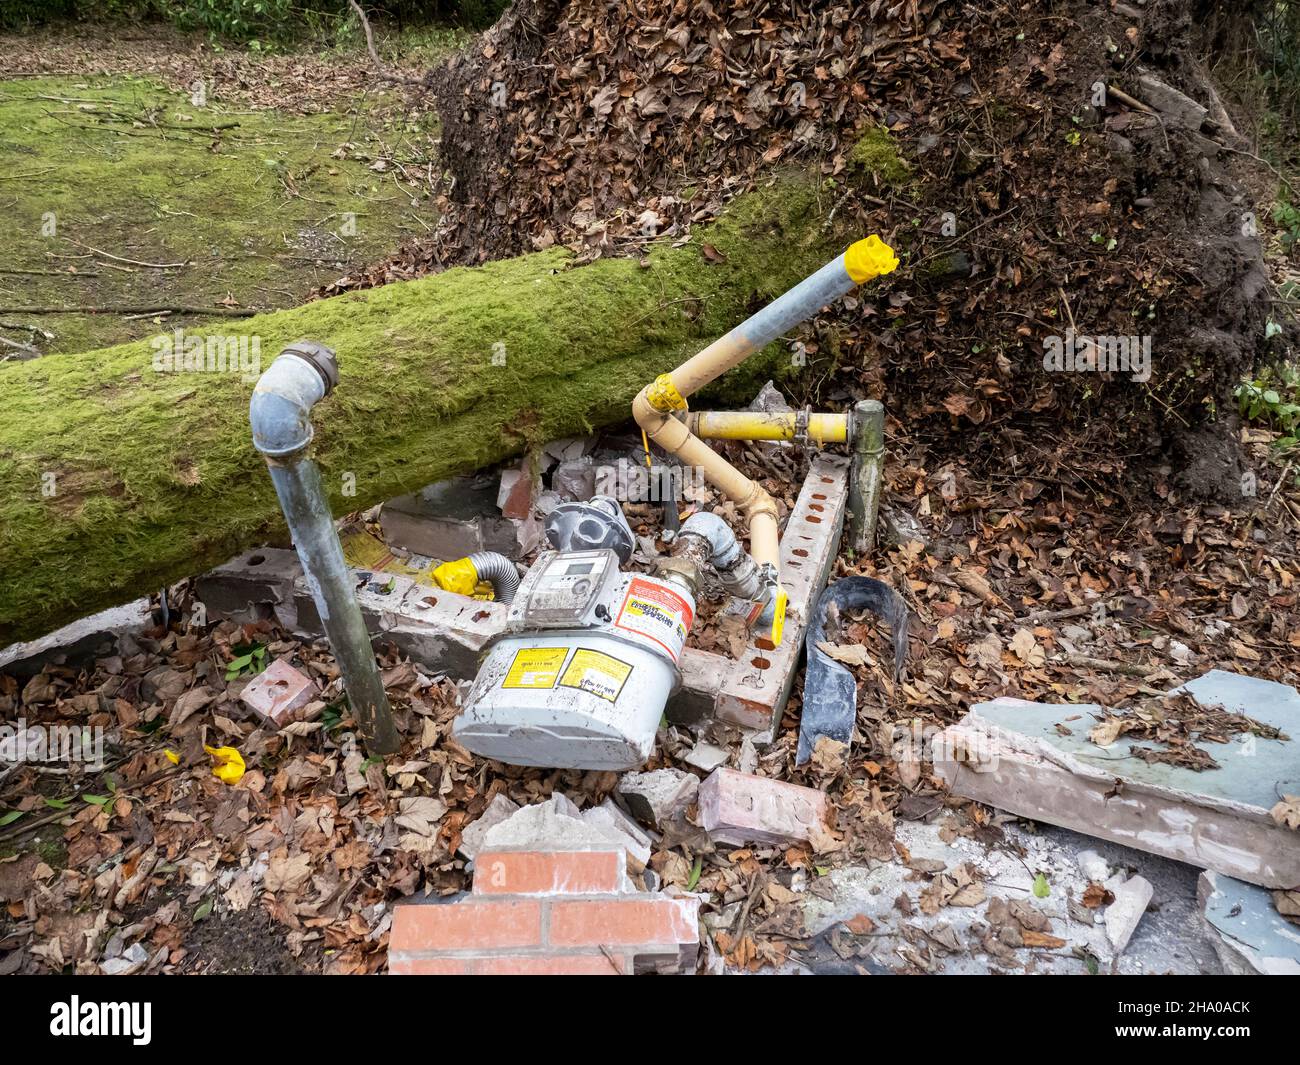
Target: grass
[262,212]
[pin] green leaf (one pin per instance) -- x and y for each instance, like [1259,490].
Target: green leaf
[55,804]
[205,908]
[696,869]
[1041,890]
[10,817]
[96,800]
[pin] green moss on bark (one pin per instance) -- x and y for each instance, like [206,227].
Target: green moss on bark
[116,479]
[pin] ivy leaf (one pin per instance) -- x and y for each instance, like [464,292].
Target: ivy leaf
[1041,889]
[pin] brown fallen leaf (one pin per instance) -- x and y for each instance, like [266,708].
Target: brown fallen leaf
[860,925]
[1287,812]
[1041,939]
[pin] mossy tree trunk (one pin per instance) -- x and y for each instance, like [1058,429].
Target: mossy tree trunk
[117,477]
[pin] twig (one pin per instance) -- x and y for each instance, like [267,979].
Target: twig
[1127,668]
[130,262]
[223,312]
[48,273]
[20,347]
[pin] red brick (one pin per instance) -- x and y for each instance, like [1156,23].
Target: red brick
[550,872]
[623,922]
[405,965]
[467,925]
[512,965]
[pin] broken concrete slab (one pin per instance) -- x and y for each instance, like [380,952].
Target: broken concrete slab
[80,641]
[1122,916]
[1009,753]
[656,797]
[1249,935]
[616,826]
[499,809]
[278,693]
[575,480]
[903,932]
[738,808]
[1093,866]
[707,756]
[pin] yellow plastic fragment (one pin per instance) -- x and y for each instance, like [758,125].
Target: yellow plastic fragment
[778,617]
[460,577]
[230,764]
[663,394]
[869,258]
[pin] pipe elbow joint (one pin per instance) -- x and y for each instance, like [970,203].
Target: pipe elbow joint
[280,410]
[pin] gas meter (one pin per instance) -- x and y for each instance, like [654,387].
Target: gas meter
[581,675]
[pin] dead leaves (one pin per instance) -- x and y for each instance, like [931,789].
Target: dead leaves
[956,888]
[1287,812]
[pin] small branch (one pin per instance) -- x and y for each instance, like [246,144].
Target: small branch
[223,312]
[129,262]
[49,273]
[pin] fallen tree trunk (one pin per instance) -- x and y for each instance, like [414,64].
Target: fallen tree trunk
[118,476]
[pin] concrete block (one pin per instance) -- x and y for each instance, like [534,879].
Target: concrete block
[1122,916]
[757,686]
[737,808]
[654,798]
[1248,933]
[247,587]
[455,518]
[471,838]
[278,693]
[1008,753]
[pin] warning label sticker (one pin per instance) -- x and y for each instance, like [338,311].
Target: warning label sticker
[535,667]
[657,613]
[597,673]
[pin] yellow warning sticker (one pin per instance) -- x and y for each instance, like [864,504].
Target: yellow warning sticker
[535,667]
[597,673]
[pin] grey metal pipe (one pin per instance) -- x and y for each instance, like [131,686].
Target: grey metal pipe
[739,574]
[280,415]
[499,572]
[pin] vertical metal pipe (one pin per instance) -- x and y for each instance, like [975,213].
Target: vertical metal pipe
[868,467]
[280,414]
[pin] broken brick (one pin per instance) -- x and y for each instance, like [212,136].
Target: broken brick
[278,693]
[738,808]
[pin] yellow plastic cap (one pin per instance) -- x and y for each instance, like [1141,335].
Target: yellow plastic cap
[460,577]
[869,258]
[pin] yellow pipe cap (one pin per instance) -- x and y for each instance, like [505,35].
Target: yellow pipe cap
[869,258]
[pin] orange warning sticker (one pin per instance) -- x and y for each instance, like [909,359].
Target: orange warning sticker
[657,613]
